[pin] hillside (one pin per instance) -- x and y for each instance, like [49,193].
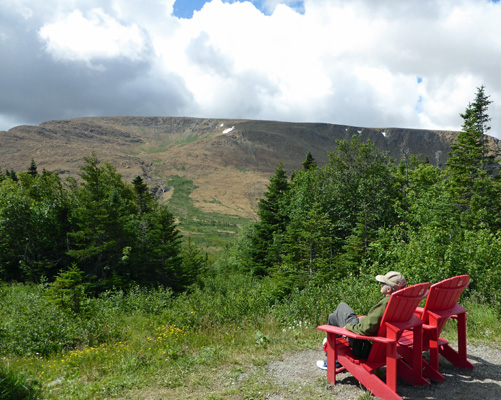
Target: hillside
[229,161]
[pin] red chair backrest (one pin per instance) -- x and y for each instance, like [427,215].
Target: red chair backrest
[402,305]
[400,309]
[444,295]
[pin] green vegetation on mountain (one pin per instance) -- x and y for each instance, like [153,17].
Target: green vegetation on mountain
[209,230]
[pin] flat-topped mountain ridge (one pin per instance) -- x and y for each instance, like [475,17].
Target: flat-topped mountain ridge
[230,161]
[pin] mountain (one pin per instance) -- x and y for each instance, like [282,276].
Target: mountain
[229,161]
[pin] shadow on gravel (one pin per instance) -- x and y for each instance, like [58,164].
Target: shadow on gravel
[483,382]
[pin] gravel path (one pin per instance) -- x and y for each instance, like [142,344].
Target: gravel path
[483,382]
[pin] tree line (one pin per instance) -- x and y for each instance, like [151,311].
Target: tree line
[115,233]
[363,212]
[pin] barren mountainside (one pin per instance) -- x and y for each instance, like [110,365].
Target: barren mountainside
[229,161]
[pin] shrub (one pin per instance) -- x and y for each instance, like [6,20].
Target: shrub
[68,290]
[137,299]
[313,305]
[31,325]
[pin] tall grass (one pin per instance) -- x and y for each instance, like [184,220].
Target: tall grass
[16,386]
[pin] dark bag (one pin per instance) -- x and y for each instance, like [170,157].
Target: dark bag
[361,348]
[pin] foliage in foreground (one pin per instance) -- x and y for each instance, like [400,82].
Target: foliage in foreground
[126,341]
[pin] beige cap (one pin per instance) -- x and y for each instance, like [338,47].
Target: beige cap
[393,279]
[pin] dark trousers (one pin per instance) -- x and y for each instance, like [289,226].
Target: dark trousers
[343,315]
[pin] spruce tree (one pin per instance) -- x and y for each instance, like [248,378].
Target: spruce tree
[105,204]
[32,170]
[144,199]
[469,159]
[310,162]
[272,223]
[156,256]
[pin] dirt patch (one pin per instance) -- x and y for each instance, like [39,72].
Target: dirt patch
[483,382]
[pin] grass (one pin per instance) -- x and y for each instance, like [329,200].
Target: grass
[483,323]
[220,363]
[208,230]
[162,144]
[15,385]
[214,343]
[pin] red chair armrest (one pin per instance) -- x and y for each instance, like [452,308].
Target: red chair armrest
[419,311]
[345,332]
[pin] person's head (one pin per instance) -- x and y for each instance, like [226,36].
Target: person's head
[391,282]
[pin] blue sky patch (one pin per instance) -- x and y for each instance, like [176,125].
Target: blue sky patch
[419,79]
[186,8]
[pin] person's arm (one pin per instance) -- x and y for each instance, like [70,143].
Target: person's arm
[369,324]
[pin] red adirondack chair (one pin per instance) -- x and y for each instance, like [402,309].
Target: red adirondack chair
[441,304]
[398,316]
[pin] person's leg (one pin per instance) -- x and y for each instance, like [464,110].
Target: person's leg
[343,315]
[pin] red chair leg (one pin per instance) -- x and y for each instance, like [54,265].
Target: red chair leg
[331,357]
[391,362]
[458,358]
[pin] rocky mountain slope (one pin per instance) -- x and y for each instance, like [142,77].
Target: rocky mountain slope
[230,161]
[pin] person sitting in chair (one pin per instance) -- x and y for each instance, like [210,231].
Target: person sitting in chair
[368,325]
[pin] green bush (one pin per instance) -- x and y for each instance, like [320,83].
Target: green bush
[137,299]
[224,300]
[33,326]
[313,305]
[433,254]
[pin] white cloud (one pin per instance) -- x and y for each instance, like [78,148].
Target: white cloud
[96,35]
[347,61]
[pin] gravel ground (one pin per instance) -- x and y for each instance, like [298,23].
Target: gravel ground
[483,382]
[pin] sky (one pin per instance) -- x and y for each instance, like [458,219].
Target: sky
[407,64]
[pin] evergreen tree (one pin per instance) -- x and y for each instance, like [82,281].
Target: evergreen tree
[104,206]
[194,264]
[32,170]
[144,198]
[308,248]
[12,175]
[469,155]
[266,239]
[470,160]
[309,162]
[68,290]
[156,256]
